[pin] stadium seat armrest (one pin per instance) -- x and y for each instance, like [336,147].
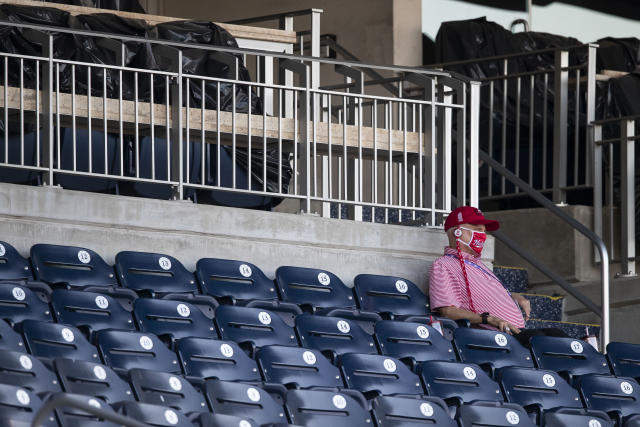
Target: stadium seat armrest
[463,323]
[410,362]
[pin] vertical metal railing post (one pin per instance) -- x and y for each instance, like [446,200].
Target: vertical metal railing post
[474,144]
[595,133]
[590,112]
[560,111]
[460,90]
[627,198]
[285,77]
[444,168]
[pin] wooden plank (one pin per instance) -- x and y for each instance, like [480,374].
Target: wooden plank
[238,31]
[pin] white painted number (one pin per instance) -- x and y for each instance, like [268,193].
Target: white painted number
[18,294]
[253,394]
[264,318]
[402,286]
[423,332]
[23,397]
[469,373]
[501,340]
[339,401]
[67,335]
[226,350]
[512,417]
[548,380]
[309,358]
[389,365]
[626,387]
[324,279]
[343,326]
[94,403]
[171,417]
[183,310]
[165,263]
[174,383]
[2,250]
[26,362]
[576,346]
[100,373]
[102,302]
[146,342]
[426,409]
[244,423]
[84,257]
[594,423]
[245,270]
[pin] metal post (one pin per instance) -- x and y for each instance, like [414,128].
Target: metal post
[627,199]
[591,111]
[444,148]
[560,111]
[285,77]
[461,131]
[474,144]
[595,136]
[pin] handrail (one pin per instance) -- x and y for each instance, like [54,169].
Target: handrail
[598,242]
[273,17]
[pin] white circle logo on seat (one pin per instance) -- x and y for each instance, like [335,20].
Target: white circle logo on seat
[175,383]
[26,362]
[469,373]
[343,326]
[576,346]
[324,279]
[100,373]
[67,335]
[626,387]
[146,342]
[18,293]
[94,403]
[594,423]
[423,332]
[2,250]
[244,423]
[264,318]
[389,365]
[339,401]
[253,394]
[309,357]
[245,270]
[171,417]
[426,409]
[501,340]
[402,286]
[84,257]
[226,350]
[102,302]
[512,417]
[183,310]
[23,397]
[548,380]
[165,263]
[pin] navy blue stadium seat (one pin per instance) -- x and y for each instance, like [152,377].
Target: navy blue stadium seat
[155,415]
[617,396]
[154,273]
[313,288]
[222,420]
[18,407]
[92,311]
[124,350]
[10,339]
[569,355]
[253,326]
[314,408]
[490,349]
[624,359]
[244,400]
[234,281]
[162,388]
[493,414]
[223,360]
[458,383]
[70,266]
[18,303]
[409,412]
[55,340]
[174,319]
[13,266]
[366,319]
[26,371]
[92,379]
[563,417]
[393,296]
[412,340]
[296,366]
[333,335]
[70,416]
[447,325]
[286,310]
[384,375]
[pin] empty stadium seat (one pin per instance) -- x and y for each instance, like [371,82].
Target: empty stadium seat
[26,371]
[490,349]
[56,340]
[253,326]
[384,375]
[18,407]
[222,420]
[300,367]
[366,319]
[333,335]
[563,417]
[162,388]
[624,359]
[314,408]
[394,296]
[70,266]
[10,339]
[244,400]
[124,350]
[494,414]
[409,412]
[412,340]
[18,303]
[90,310]
[223,360]
[71,416]
[617,396]
[235,281]
[13,266]
[313,288]
[153,273]
[568,355]
[92,379]
[155,415]
[175,319]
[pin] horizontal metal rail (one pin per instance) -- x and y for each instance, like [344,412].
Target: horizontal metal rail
[273,17]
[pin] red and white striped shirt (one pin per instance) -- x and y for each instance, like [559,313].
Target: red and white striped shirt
[447,288]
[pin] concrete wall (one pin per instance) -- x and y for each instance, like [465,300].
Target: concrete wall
[109,224]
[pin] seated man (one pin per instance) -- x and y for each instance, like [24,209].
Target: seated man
[462,287]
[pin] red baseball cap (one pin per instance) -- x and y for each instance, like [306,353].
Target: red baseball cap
[469,215]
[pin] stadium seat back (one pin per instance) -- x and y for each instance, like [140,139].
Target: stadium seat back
[222,420]
[153,273]
[18,303]
[493,414]
[416,340]
[244,400]
[92,379]
[223,360]
[300,367]
[253,325]
[408,412]
[576,417]
[492,348]
[234,280]
[610,394]
[10,339]
[569,355]
[18,407]
[71,266]
[161,388]
[381,374]
[542,388]
[624,359]
[55,340]
[387,294]
[464,382]
[176,319]
[26,371]
[313,287]
[333,334]
[314,408]
[155,415]
[71,416]
[13,266]
[124,350]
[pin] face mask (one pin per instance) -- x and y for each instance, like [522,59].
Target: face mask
[476,243]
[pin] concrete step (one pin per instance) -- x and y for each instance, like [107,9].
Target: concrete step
[515,279]
[546,307]
[573,329]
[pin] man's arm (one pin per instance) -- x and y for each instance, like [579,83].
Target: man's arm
[524,304]
[456,313]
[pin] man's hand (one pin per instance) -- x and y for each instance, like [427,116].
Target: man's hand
[503,325]
[524,304]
